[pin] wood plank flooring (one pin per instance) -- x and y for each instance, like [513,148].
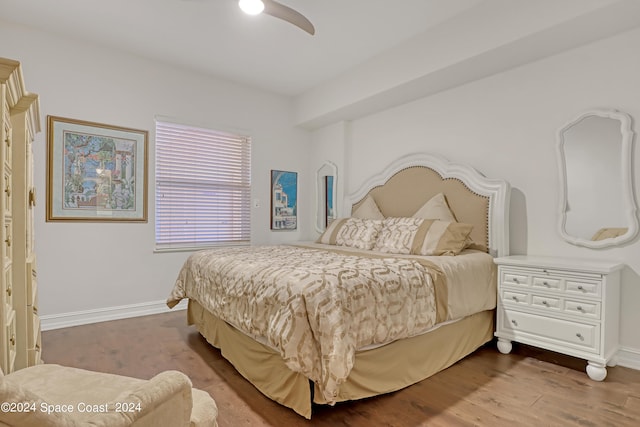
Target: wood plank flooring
[529,387]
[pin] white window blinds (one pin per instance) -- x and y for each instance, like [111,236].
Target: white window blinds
[203,187]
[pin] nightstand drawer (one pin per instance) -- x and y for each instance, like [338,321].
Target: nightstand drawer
[547,283]
[514,278]
[551,329]
[588,309]
[546,302]
[510,296]
[584,288]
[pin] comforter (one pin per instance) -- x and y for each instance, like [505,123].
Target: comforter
[315,306]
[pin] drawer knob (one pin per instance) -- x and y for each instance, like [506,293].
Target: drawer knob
[9,291]
[13,340]
[515,279]
[7,190]
[580,288]
[579,335]
[545,303]
[579,308]
[546,284]
[515,298]
[8,241]
[514,322]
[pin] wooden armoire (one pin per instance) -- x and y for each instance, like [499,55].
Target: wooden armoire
[20,342]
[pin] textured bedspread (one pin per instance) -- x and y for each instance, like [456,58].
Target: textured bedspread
[314,306]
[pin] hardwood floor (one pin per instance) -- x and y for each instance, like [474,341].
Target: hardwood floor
[485,389]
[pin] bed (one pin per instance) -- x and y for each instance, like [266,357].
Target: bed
[398,289]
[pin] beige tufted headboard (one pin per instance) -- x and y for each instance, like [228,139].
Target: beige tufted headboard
[407,183]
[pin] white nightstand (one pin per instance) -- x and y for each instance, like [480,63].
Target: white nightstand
[566,305]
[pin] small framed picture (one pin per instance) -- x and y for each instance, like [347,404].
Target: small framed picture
[284,200]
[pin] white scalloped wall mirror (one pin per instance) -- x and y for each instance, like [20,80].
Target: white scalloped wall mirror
[597,202]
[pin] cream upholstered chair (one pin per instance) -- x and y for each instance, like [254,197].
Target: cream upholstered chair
[58,396]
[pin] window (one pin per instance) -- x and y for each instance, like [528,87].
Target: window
[203,187]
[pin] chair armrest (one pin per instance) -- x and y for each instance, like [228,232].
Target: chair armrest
[31,415]
[163,400]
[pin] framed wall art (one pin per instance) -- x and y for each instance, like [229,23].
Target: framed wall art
[95,172]
[284,200]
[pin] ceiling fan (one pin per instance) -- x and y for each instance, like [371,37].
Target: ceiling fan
[278,10]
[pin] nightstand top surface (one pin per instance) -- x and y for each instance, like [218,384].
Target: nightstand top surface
[583,264]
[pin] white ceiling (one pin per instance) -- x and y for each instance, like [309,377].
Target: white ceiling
[366,55]
[215,37]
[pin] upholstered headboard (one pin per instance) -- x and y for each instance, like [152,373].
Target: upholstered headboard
[407,183]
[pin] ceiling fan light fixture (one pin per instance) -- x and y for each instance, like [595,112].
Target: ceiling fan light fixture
[251,7]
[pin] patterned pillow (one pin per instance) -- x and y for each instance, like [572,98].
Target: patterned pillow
[397,235]
[436,237]
[352,232]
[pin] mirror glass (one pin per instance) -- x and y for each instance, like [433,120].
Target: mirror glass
[597,204]
[326,195]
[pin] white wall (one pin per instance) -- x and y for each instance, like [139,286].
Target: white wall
[505,126]
[328,144]
[480,41]
[89,266]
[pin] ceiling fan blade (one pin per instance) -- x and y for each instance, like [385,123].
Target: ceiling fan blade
[278,10]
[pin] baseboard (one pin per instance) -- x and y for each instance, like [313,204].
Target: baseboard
[629,358]
[85,317]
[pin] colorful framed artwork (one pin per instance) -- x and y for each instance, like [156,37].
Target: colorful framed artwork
[284,200]
[95,172]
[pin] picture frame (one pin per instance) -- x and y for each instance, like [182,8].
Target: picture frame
[95,172]
[284,200]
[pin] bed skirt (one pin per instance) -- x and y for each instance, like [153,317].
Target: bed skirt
[375,371]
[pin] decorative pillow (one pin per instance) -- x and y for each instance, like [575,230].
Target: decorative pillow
[436,237]
[397,235]
[352,232]
[368,209]
[436,208]
[328,237]
[608,233]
